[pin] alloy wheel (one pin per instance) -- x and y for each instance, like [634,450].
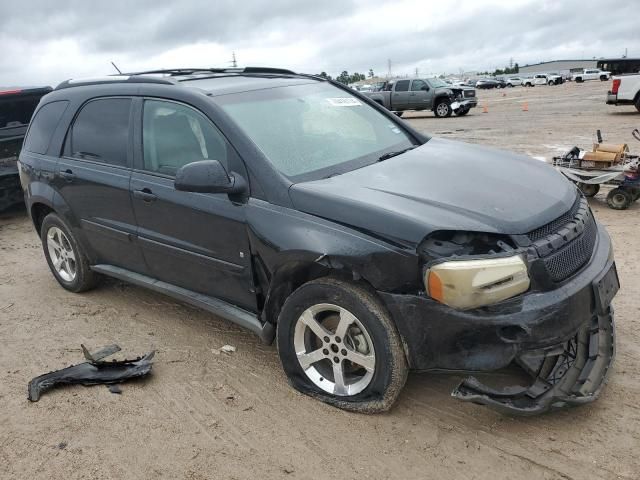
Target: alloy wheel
[334,349]
[61,253]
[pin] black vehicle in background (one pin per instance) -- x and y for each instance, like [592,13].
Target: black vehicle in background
[315,217]
[16,107]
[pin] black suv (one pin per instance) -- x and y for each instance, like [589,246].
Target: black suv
[300,209]
[17,104]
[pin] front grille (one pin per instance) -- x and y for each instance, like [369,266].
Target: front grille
[566,244]
[469,93]
[556,224]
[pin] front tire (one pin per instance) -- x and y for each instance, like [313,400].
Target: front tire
[66,258]
[337,343]
[462,112]
[442,109]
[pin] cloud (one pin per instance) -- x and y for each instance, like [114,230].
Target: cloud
[45,42]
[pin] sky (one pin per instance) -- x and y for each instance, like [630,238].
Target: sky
[45,42]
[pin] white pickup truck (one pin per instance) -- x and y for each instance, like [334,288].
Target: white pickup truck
[591,74]
[625,90]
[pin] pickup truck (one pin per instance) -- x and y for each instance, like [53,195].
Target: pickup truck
[16,107]
[625,90]
[591,74]
[425,94]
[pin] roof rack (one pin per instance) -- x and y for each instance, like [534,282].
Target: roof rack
[113,79]
[191,71]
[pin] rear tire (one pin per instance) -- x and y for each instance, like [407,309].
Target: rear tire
[337,343]
[66,258]
[603,78]
[443,109]
[619,199]
[589,189]
[579,80]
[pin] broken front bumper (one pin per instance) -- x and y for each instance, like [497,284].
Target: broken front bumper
[563,338]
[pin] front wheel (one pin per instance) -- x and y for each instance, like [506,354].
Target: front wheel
[603,78]
[338,343]
[443,109]
[619,199]
[462,112]
[66,259]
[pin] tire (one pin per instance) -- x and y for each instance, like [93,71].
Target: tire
[462,112]
[579,80]
[509,85]
[603,78]
[619,199]
[70,267]
[442,109]
[589,189]
[638,104]
[327,304]
[550,83]
[399,114]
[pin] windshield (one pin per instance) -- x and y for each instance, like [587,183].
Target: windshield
[436,83]
[314,130]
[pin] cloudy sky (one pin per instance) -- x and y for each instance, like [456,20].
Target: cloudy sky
[44,42]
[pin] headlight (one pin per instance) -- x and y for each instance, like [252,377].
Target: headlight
[465,284]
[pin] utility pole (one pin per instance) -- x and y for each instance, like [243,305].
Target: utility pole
[234,63]
[417,72]
[389,68]
[511,62]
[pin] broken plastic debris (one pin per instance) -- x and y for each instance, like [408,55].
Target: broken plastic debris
[228,349]
[95,371]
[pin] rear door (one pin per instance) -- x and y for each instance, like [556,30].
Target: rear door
[196,241]
[400,95]
[93,179]
[420,95]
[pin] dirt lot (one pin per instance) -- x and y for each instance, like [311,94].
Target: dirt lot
[204,414]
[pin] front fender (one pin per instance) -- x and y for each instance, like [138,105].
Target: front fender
[281,236]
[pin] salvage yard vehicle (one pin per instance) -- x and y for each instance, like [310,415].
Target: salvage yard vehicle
[422,94]
[513,81]
[16,107]
[591,74]
[625,90]
[311,215]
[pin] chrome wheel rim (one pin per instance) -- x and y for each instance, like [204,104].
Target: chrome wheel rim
[443,108]
[61,253]
[334,349]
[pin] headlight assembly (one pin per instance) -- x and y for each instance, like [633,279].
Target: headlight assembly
[465,284]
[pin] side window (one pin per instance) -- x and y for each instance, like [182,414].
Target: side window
[402,86]
[174,135]
[43,126]
[418,85]
[101,131]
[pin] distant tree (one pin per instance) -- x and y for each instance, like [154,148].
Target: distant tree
[343,77]
[324,75]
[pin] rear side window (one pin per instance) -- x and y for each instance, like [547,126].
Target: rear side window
[43,126]
[402,86]
[101,131]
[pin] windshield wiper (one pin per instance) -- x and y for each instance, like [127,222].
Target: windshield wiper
[389,155]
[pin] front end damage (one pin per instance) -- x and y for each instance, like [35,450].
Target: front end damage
[560,332]
[570,374]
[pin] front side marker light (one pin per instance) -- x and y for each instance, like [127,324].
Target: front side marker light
[465,284]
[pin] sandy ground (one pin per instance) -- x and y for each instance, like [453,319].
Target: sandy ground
[204,414]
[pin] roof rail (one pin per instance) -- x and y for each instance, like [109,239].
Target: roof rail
[112,79]
[191,71]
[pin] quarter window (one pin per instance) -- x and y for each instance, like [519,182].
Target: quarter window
[175,135]
[402,86]
[101,131]
[43,126]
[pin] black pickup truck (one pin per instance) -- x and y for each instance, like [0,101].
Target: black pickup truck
[425,94]
[16,107]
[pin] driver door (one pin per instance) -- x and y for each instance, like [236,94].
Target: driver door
[420,95]
[196,241]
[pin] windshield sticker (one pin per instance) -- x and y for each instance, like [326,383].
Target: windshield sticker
[344,102]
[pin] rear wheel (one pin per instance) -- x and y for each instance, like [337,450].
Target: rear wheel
[578,79]
[443,109]
[638,103]
[619,199]
[603,78]
[589,189]
[65,257]
[337,343]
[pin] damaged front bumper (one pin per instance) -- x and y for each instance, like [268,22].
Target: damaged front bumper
[563,338]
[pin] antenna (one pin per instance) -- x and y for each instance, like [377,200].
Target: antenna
[234,62]
[116,67]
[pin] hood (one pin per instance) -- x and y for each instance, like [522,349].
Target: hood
[441,185]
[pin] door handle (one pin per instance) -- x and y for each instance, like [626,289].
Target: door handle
[68,175]
[145,195]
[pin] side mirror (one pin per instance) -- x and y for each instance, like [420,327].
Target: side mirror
[425,88]
[208,176]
